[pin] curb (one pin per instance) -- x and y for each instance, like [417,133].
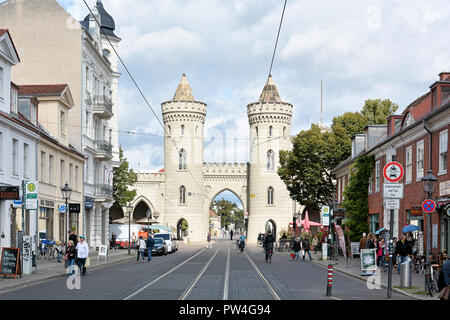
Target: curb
[59,275]
[382,285]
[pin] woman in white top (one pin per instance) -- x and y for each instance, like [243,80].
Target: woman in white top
[142,247]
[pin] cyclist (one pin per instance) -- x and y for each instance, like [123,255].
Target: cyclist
[268,244]
[242,241]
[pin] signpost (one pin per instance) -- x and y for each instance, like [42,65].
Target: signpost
[393,172]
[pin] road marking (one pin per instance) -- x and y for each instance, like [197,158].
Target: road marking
[263,278]
[162,276]
[192,285]
[227,276]
[335,298]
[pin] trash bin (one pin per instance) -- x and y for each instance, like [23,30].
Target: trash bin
[405,274]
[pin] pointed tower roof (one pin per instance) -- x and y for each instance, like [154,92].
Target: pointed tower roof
[270,92]
[184,91]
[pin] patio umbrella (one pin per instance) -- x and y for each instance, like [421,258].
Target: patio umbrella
[307,224]
[410,228]
[379,231]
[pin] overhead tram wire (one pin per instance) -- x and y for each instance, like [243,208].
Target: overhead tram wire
[142,94]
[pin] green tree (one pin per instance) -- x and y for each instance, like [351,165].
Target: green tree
[344,127]
[356,201]
[124,177]
[375,111]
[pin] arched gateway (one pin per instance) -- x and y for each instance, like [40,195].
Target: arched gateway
[185,188]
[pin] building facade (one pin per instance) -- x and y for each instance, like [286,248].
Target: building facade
[418,138]
[185,188]
[80,55]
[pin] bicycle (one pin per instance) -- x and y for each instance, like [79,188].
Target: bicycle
[235,244]
[242,247]
[430,279]
[269,253]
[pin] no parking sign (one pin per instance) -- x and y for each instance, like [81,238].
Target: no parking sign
[429,206]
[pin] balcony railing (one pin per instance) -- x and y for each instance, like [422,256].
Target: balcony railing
[103,190]
[103,107]
[103,149]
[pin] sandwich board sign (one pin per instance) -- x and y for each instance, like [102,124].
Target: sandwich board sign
[103,252]
[368,261]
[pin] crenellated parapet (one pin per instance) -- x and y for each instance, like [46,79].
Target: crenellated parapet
[150,177]
[173,111]
[215,168]
[261,112]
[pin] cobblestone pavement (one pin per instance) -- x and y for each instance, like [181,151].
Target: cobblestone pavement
[199,273]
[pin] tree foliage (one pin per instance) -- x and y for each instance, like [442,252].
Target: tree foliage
[344,127]
[356,197]
[376,111]
[124,177]
[229,213]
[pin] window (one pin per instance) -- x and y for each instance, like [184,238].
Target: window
[443,146]
[182,160]
[42,166]
[1,151]
[284,132]
[182,129]
[15,153]
[61,173]
[270,160]
[408,172]
[76,177]
[13,100]
[33,118]
[370,184]
[182,195]
[256,129]
[26,151]
[377,176]
[270,196]
[374,223]
[170,131]
[1,82]
[419,160]
[70,174]
[87,123]
[270,131]
[61,123]
[50,169]
[196,131]
[339,190]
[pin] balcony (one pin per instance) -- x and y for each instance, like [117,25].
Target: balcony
[103,191]
[102,107]
[103,150]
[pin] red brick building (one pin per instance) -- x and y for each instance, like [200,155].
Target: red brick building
[407,136]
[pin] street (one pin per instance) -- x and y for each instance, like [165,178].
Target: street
[199,273]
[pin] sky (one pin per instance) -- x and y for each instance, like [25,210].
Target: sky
[360,49]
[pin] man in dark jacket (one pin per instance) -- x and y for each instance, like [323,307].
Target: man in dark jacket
[306,246]
[74,238]
[150,243]
[268,244]
[296,247]
[403,250]
[444,276]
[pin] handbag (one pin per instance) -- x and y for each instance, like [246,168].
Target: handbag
[303,252]
[66,257]
[445,293]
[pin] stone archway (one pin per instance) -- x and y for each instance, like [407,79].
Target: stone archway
[116,213]
[218,193]
[182,228]
[270,225]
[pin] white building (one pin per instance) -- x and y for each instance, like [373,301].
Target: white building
[18,147]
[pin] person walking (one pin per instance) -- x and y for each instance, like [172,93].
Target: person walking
[141,250]
[371,241]
[242,241]
[82,254]
[381,253]
[402,249]
[444,281]
[133,240]
[306,247]
[269,239]
[113,241]
[208,238]
[231,234]
[73,237]
[71,254]
[296,247]
[315,244]
[363,241]
[150,244]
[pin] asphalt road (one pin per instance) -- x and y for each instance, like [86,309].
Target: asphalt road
[217,273]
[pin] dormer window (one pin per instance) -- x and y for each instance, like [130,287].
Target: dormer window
[28,108]
[409,120]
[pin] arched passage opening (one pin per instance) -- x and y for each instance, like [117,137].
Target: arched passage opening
[271,226]
[140,211]
[182,229]
[115,213]
[226,213]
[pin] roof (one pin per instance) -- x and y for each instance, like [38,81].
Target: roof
[212,214]
[162,170]
[419,107]
[42,90]
[6,31]
[270,92]
[184,91]
[107,23]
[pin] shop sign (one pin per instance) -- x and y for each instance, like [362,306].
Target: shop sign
[444,188]
[416,212]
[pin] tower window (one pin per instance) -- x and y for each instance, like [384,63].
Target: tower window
[182,129]
[270,160]
[284,132]
[182,160]
[270,196]
[182,195]
[270,131]
[196,131]
[256,132]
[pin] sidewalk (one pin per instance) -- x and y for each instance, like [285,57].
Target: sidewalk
[47,270]
[354,269]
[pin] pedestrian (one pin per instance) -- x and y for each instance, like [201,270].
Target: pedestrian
[73,237]
[141,249]
[315,243]
[113,241]
[58,247]
[133,239]
[371,241]
[381,253]
[208,238]
[71,254]
[296,247]
[150,244]
[444,281]
[394,253]
[82,254]
[403,250]
[231,234]
[363,241]
[306,248]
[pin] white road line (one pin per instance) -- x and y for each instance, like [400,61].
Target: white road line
[162,276]
[227,276]
[335,298]
[263,278]
[192,285]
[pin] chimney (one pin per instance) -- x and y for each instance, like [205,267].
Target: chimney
[444,76]
[392,121]
[358,144]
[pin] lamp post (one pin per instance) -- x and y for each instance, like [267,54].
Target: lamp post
[66,192]
[335,212]
[148,221]
[129,211]
[429,184]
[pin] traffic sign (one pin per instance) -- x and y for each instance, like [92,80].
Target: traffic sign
[391,204]
[393,190]
[393,171]
[429,206]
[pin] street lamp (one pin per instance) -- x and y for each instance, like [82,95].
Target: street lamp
[429,184]
[129,212]
[335,213]
[148,222]
[66,192]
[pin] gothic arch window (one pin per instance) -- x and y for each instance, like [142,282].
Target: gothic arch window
[270,131]
[182,160]
[196,131]
[270,160]
[256,131]
[284,132]
[170,131]
[182,129]
[182,195]
[270,196]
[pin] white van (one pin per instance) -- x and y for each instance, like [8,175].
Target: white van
[169,239]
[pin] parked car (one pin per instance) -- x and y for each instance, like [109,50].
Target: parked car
[159,247]
[169,239]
